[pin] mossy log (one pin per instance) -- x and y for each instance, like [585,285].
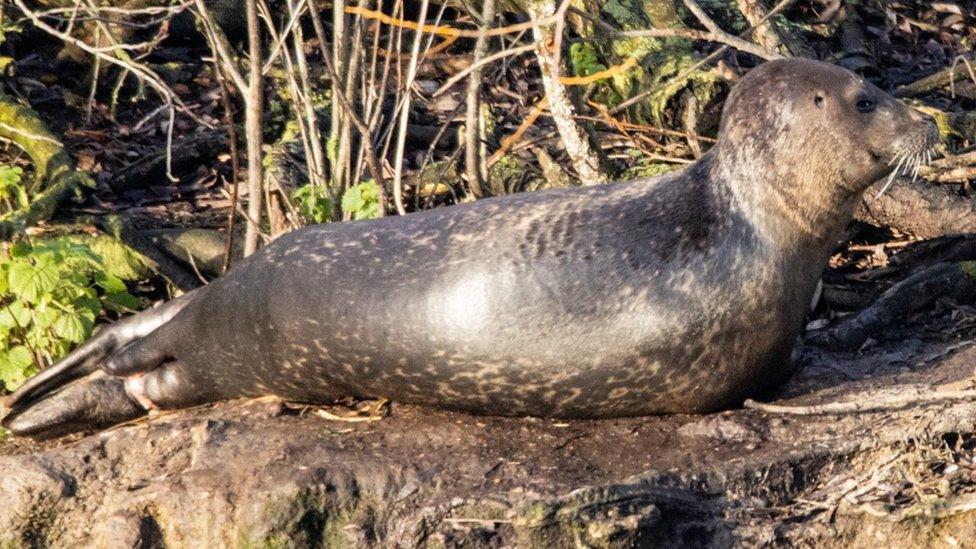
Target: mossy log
[56,179]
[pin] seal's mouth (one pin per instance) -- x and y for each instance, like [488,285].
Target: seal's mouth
[910,159]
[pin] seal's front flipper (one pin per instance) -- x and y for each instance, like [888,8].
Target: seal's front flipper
[92,403]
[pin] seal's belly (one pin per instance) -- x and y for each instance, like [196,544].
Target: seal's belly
[503,343]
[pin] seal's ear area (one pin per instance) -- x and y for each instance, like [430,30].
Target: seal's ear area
[92,403]
[819,101]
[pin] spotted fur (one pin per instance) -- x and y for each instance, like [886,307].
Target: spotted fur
[683,293]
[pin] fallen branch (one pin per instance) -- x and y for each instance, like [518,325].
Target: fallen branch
[919,396]
[56,179]
[945,77]
[919,208]
[953,280]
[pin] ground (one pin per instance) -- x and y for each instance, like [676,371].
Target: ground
[262,473]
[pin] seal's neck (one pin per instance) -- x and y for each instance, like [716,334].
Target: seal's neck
[796,201]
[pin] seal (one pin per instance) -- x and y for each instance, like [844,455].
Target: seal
[679,294]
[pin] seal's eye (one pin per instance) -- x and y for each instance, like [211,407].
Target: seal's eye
[818,101]
[865,105]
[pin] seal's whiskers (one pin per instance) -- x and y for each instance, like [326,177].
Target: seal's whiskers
[894,173]
[918,164]
[915,161]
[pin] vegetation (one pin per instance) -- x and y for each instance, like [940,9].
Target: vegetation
[53,292]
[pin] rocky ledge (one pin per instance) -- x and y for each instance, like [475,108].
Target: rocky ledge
[261,473]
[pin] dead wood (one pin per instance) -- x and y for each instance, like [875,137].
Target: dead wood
[942,280]
[919,208]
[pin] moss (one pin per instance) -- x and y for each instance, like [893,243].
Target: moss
[660,60]
[644,166]
[55,179]
[311,518]
[38,528]
[510,174]
[704,84]
[119,260]
[968,268]
[546,525]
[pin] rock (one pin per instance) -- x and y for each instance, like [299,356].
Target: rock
[236,475]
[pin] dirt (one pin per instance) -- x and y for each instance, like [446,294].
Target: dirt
[262,473]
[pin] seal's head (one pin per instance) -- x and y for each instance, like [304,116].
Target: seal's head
[819,135]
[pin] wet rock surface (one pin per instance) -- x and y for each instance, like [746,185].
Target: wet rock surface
[259,473]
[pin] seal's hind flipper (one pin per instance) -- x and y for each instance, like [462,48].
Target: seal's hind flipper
[87,358]
[79,363]
[92,403]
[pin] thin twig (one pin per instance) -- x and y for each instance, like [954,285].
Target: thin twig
[473,165]
[866,404]
[729,39]
[372,163]
[405,112]
[442,30]
[254,109]
[510,52]
[234,163]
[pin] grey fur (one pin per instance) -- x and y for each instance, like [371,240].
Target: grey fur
[683,293]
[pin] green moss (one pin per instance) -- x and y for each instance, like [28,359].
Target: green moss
[969,268]
[660,60]
[645,166]
[311,518]
[120,261]
[704,84]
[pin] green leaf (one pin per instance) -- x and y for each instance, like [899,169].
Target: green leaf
[22,199]
[10,176]
[362,201]
[20,249]
[88,305]
[45,317]
[83,252]
[15,366]
[313,203]
[121,302]
[584,59]
[73,327]
[54,292]
[109,283]
[31,282]
[15,315]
